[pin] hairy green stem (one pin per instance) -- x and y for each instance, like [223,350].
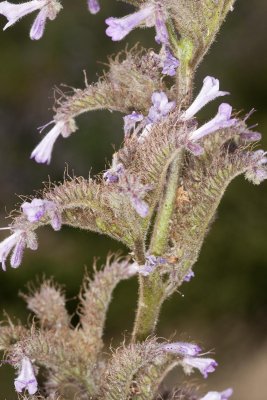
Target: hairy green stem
[151,297]
[152,289]
[161,227]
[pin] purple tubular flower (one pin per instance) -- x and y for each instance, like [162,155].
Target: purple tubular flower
[130,122]
[257,173]
[13,12]
[189,276]
[26,379]
[218,395]
[204,365]
[112,175]
[161,107]
[220,121]
[182,348]
[38,208]
[93,6]
[7,245]
[38,26]
[140,206]
[210,91]
[34,210]
[195,148]
[118,28]
[43,152]
[136,191]
[152,262]
[170,63]
[162,36]
[16,243]
[250,136]
[18,251]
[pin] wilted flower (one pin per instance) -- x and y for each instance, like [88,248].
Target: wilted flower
[26,379]
[118,28]
[204,365]
[218,395]
[130,122]
[182,348]
[210,91]
[38,208]
[93,6]
[136,191]
[43,152]
[14,12]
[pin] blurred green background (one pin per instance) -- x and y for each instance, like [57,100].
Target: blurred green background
[225,306]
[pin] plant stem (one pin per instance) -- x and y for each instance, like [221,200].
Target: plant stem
[161,227]
[152,289]
[151,297]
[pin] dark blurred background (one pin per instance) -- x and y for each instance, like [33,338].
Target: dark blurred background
[224,307]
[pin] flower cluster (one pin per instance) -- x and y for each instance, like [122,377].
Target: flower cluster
[160,109]
[150,14]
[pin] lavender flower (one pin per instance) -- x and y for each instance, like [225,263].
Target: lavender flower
[48,10]
[182,348]
[26,379]
[136,191]
[152,262]
[38,26]
[204,365]
[162,36]
[11,242]
[140,206]
[148,15]
[161,107]
[189,276]
[257,173]
[220,121]
[43,152]
[130,122]
[169,63]
[250,136]
[18,251]
[17,242]
[38,208]
[118,28]
[218,395]
[210,91]
[112,175]
[93,6]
